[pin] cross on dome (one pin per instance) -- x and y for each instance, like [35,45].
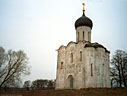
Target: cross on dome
[83,7]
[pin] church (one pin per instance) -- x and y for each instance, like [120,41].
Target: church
[83,64]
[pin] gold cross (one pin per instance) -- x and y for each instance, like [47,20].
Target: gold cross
[83,6]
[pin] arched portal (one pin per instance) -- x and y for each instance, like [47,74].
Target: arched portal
[71,81]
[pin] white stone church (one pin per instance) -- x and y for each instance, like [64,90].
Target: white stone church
[83,64]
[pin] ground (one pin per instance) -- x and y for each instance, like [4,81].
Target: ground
[81,92]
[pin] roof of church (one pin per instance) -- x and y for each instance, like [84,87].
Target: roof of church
[96,45]
[83,21]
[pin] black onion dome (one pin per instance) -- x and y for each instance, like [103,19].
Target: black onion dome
[83,21]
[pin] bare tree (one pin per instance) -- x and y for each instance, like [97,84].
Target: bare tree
[27,84]
[43,84]
[2,60]
[119,68]
[39,84]
[51,84]
[14,65]
[2,56]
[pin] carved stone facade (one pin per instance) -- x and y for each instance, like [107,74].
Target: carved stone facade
[82,64]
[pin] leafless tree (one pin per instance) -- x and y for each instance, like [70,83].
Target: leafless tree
[51,84]
[119,68]
[39,84]
[13,66]
[2,60]
[43,84]
[27,84]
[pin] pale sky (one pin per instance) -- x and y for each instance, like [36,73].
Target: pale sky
[39,27]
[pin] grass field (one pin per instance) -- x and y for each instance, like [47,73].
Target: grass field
[81,92]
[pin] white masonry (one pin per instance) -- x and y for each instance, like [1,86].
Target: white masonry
[83,64]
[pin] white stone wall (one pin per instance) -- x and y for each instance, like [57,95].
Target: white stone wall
[74,68]
[100,60]
[86,36]
[60,72]
[81,70]
[88,54]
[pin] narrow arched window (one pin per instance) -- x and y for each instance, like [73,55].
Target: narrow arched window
[91,69]
[80,55]
[71,57]
[57,66]
[88,36]
[83,35]
[103,69]
[61,65]
[78,36]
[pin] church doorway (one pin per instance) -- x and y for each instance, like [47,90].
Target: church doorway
[71,81]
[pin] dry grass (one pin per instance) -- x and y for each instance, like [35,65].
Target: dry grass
[82,92]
